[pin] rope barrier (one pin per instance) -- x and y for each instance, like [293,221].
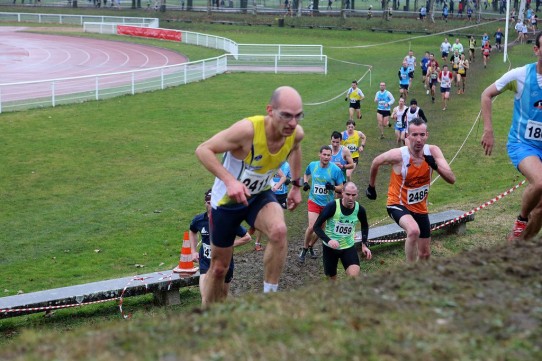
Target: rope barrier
[120,299]
[457,219]
[342,93]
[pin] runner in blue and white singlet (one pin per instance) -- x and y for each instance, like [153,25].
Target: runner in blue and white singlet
[524,139]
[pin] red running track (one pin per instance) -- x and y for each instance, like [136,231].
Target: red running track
[32,57]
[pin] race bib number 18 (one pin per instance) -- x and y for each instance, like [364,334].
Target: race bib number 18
[533,130]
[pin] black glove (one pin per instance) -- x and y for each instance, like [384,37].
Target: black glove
[371,193]
[330,187]
[306,186]
[431,161]
[287,181]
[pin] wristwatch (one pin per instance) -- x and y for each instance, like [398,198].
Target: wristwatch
[298,182]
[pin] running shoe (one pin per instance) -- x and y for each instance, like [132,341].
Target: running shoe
[313,253]
[302,255]
[519,227]
[258,247]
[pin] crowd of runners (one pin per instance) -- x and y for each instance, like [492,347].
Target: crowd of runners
[261,174]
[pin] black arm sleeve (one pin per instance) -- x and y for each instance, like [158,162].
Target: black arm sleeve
[327,212]
[421,114]
[362,217]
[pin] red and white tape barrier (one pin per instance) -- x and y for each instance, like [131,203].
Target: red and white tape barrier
[457,219]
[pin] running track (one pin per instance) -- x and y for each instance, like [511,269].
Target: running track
[32,57]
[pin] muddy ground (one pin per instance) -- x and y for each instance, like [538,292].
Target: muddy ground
[248,276]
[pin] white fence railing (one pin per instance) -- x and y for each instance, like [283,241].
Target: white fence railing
[75,19]
[273,58]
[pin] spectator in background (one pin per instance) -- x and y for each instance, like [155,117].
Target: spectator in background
[445,13]
[498,39]
[423,13]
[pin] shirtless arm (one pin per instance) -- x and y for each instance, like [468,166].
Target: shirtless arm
[294,196]
[281,181]
[488,139]
[347,155]
[235,139]
[443,167]
[363,140]
[391,157]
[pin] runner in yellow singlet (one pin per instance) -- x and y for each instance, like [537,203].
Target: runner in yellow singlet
[351,140]
[254,148]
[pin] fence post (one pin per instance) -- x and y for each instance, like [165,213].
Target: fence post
[97,92]
[162,78]
[53,93]
[133,83]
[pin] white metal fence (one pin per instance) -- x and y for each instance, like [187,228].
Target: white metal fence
[75,19]
[242,57]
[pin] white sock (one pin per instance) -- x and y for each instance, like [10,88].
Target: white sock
[269,287]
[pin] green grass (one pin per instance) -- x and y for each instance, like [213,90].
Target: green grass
[120,176]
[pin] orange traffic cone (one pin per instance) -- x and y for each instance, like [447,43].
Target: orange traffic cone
[186,263]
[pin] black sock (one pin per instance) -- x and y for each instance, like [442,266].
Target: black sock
[520,218]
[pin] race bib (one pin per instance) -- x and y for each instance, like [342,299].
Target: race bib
[352,148]
[319,189]
[257,182]
[533,130]
[344,229]
[382,104]
[206,250]
[417,195]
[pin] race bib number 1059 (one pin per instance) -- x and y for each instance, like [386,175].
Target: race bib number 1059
[343,228]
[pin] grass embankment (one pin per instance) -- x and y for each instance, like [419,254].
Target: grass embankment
[119,176]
